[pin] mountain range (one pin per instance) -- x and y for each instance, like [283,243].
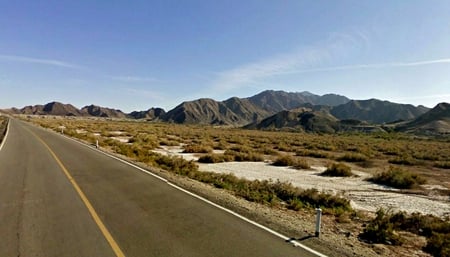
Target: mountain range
[276,110]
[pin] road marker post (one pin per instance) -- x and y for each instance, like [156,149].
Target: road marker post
[318,221]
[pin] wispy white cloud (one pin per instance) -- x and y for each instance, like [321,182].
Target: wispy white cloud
[24,59]
[135,79]
[299,60]
[372,66]
[308,60]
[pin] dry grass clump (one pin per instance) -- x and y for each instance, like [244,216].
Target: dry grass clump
[197,149]
[442,165]
[383,228]
[353,157]
[312,153]
[338,170]
[291,161]
[398,178]
[230,156]
[403,160]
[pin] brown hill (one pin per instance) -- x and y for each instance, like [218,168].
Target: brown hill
[241,111]
[435,121]
[276,101]
[302,119]
[97,111]
[151,114]
[53,108]
[203,111]
[377,111]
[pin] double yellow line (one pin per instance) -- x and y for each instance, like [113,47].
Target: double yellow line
[115,247]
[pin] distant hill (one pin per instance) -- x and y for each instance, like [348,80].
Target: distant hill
[275,110]
[97,111]
[53,108]
[302,119]
[377,111]
[242,111]
[203,111]
[60,109]
[435,121]
[276,101]
[151,114]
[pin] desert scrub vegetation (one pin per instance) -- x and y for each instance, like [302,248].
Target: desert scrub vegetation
[314,154]
[3,125]
[337,170]
[398,178]
[230,156]
[197,149]
[384,227]
[442,165]
[291,161]
[353,157]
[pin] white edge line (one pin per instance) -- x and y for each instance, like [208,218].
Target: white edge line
[273,232]
[6,134]
[295,243]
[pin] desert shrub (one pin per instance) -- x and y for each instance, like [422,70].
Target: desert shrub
[240,149]
[176,164]
[353,157]
[403,160]
[288,160]
[337,170]
[197,149]
[310,153]
[231,155]
[437,231]
[438,245]
[284,160]
[381,230]
[398,178]
[214,158]
[442,165]
[424,225]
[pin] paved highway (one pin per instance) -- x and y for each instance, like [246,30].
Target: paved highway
[60,198]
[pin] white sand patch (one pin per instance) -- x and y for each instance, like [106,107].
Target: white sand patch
[121,139]
[363,195]
[175,151]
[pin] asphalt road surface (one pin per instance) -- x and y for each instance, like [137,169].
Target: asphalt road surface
[60,198]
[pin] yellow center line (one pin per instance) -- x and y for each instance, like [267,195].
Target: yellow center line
[115,247]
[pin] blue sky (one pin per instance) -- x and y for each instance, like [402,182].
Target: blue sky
[133,55]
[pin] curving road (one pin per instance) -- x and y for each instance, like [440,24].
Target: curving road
[61,198]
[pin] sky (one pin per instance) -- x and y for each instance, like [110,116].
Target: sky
[133,55]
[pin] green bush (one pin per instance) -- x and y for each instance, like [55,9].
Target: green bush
[398,178]
[381,230]
[338,170]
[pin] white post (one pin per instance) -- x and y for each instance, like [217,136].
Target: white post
[318,221]
[96,144]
